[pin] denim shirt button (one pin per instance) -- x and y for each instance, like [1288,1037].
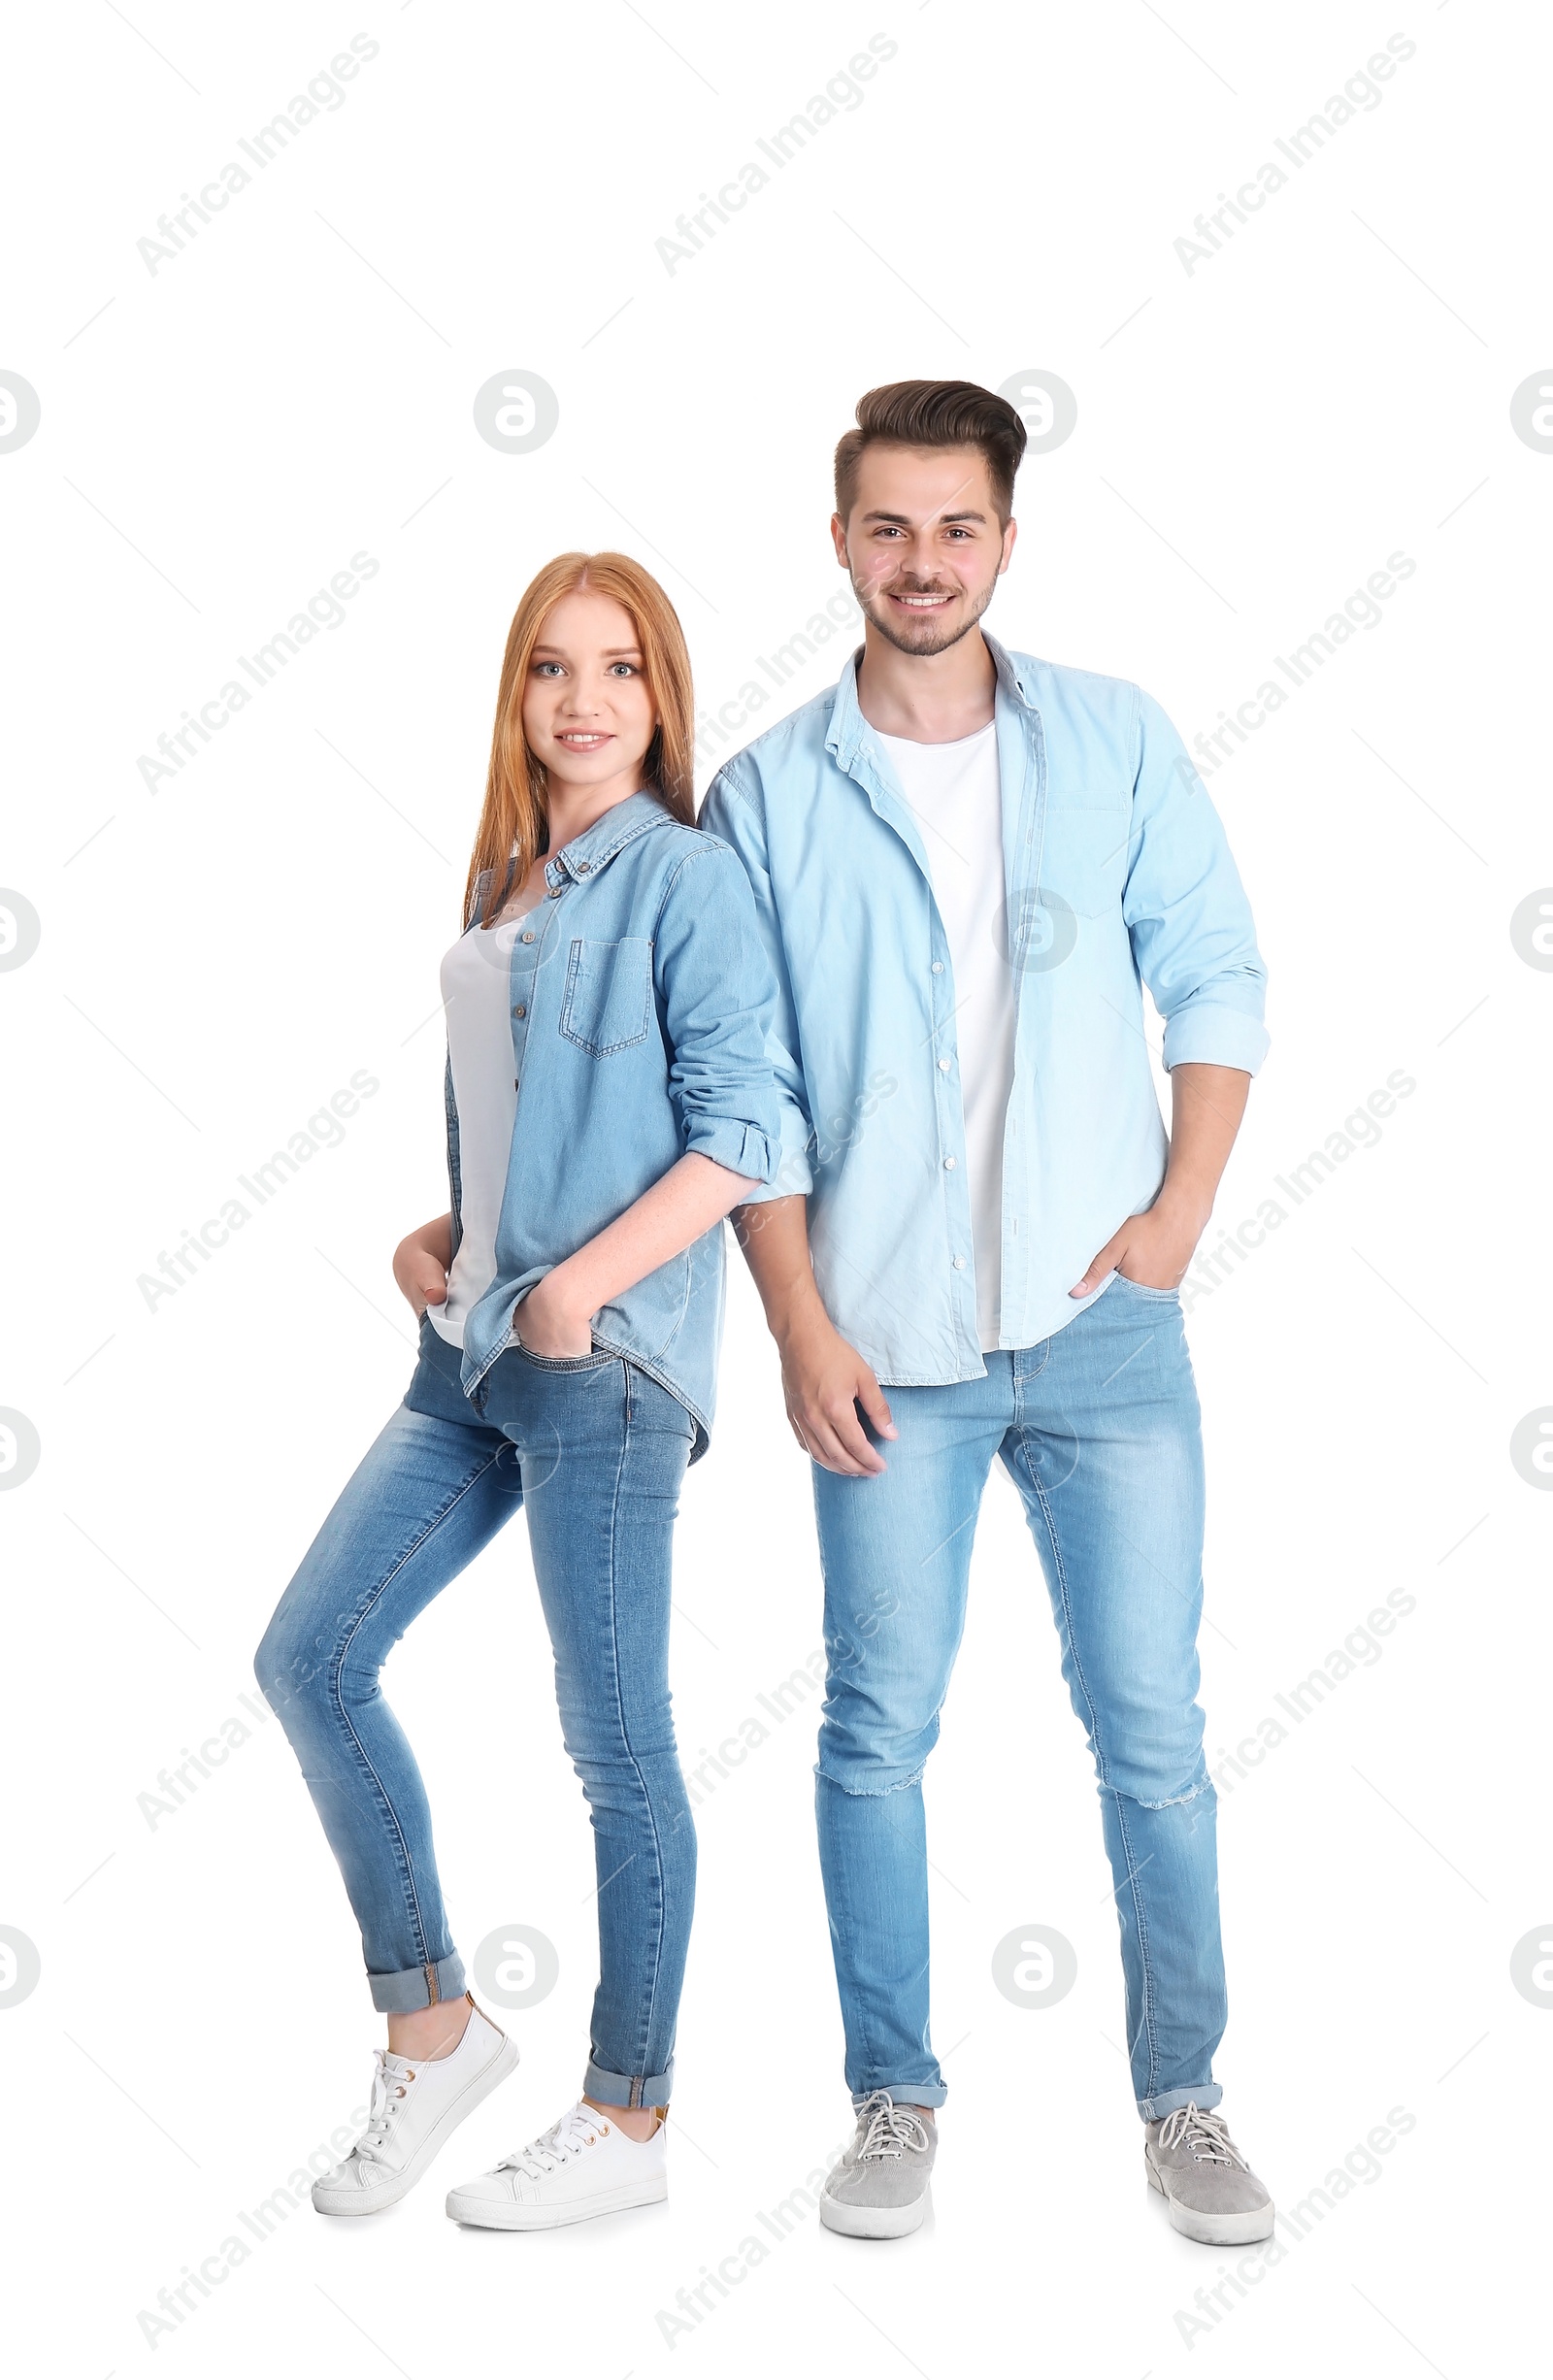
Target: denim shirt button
[944,1066]
[948,1165]
[959,1264]
[521,1009]
[528,937]
[582,866]
[937,967]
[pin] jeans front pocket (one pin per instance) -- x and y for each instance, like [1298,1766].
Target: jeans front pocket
[590,1362]
[608,1002]
[1143,1289]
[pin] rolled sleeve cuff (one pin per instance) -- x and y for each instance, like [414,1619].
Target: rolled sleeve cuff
[743,1148]
[790,1174]
[1208,1035]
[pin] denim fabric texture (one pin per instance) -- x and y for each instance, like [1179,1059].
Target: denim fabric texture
[594,1450]
[1098,1429]
[640,997]
[1117,875]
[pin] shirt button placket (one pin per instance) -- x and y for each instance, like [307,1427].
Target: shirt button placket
[526,953]
[944,1066]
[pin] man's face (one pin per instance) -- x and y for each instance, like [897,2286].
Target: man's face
[923,544]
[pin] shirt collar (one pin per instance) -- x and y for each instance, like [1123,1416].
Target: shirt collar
[848,727]
[587,853]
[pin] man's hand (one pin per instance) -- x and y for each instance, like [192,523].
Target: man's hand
[824,1381]
[550,1320]
[1153,1250]
[421,1261]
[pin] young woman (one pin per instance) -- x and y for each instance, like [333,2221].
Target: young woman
[608,1102]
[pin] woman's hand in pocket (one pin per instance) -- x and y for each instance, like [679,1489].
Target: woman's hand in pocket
[421,1261]
[548,1321]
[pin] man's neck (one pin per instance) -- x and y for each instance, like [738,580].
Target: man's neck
[926,698]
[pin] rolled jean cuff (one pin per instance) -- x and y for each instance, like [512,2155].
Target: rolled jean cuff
[1164,2102]
[907,2095]
[628,2090]
[412,1987]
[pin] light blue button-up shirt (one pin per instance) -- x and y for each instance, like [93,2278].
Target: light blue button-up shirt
[640,1005]
[1117,875]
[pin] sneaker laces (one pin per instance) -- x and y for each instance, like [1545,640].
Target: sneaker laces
[1204,2135]
[888,2131]
[388,2096]
[568,2137]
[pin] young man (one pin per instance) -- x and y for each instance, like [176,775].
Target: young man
[966,862]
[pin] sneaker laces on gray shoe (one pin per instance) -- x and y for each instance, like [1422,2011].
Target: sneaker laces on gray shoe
[1204,2135]
[887,2130]
[1208,2187]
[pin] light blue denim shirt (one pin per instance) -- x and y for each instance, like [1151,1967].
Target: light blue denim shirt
[641,1005]
[1117,875]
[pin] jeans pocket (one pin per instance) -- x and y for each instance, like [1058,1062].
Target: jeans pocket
[608,1002]
[564,1363]
[1141,1289]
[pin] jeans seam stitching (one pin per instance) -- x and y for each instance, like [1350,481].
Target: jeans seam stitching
[411,1898]
[645,2036]
[1146,2014]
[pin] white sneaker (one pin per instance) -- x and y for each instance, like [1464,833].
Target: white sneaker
[417,2103]
[583,2166]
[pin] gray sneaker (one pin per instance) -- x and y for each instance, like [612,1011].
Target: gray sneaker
[879,2190]
[1210,2191]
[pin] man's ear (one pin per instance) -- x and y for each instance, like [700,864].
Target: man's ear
[1009,536]
[839,538]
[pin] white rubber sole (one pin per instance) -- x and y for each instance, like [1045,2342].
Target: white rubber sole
[1213,2231]
[492,2215]
[871,2221]
[479,2086]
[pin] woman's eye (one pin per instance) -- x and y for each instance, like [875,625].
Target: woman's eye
[624,668]
[542,669]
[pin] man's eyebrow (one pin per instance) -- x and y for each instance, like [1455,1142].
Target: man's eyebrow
[903,521]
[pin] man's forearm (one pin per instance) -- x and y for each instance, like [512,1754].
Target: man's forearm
[775,1237]
[1206,1105]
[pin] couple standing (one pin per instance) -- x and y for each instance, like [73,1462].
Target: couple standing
[883,1006]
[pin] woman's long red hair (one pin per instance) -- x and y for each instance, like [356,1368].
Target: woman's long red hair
[515,820]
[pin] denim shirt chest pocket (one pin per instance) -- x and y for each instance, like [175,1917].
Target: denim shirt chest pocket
[1084,857]
[608,1002]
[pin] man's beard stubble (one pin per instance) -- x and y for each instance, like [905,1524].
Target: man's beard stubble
[937,641]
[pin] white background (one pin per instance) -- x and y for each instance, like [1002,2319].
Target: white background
[1254,438]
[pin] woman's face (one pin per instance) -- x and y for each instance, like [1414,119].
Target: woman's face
[588,711]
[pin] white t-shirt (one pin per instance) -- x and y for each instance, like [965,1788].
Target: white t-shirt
[479,1044]
[954,792]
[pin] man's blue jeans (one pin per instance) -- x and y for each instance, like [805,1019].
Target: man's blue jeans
[594,1451]
[1098,1428]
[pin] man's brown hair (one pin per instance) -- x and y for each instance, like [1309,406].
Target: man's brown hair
[935,413]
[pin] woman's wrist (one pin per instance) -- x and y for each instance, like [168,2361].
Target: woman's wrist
[565,1291]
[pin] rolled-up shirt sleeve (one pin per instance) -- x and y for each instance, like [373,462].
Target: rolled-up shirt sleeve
[715,983]
[732,812]
[1187,912]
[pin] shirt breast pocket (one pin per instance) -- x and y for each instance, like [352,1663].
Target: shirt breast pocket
[608,1002]
[1084,858]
